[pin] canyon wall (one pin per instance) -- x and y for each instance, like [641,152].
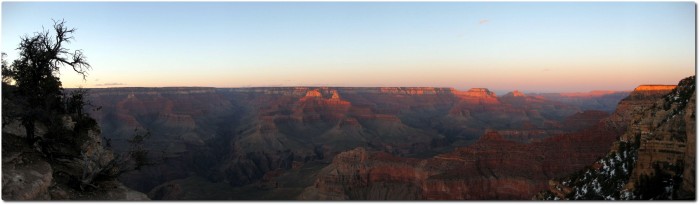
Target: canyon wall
[239,135]
[653,159]
[497,168]
[491,168]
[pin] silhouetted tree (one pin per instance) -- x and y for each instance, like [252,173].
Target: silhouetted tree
[35,73]
[9,108]
[6,73]
[33,92]
[76,101]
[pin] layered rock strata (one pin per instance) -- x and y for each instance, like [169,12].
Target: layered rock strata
[238,135]
[653,159]
[492,168]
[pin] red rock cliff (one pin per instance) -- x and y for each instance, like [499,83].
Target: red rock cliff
[492,168]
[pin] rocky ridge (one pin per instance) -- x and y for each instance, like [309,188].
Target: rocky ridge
[653,159]
[492,168]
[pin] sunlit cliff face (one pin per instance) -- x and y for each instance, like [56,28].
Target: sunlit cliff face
[477,92]
[517,93]
[654,87]
[313,93]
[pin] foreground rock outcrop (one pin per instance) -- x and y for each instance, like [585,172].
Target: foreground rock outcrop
[68,163]
[25,175]
[653,159]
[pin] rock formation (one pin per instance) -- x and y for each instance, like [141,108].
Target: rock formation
[515,93]
[492,168]
[484,170]
[653,159]
[238,135]
[69,165]
[654,88]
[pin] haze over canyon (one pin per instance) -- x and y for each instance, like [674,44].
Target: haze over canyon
[362,143]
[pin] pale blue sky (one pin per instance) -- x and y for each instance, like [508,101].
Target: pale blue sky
[501,46]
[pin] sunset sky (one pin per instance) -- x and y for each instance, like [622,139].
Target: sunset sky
[543,47]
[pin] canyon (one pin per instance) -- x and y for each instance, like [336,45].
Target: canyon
[256,140]
[654,159]
[494,167]
[373,143]
[650,155]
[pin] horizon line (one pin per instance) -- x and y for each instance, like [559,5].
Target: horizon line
[452,88]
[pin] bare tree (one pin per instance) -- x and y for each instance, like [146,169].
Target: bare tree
[35,73]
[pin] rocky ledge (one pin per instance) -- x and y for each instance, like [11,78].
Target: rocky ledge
[60,167]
